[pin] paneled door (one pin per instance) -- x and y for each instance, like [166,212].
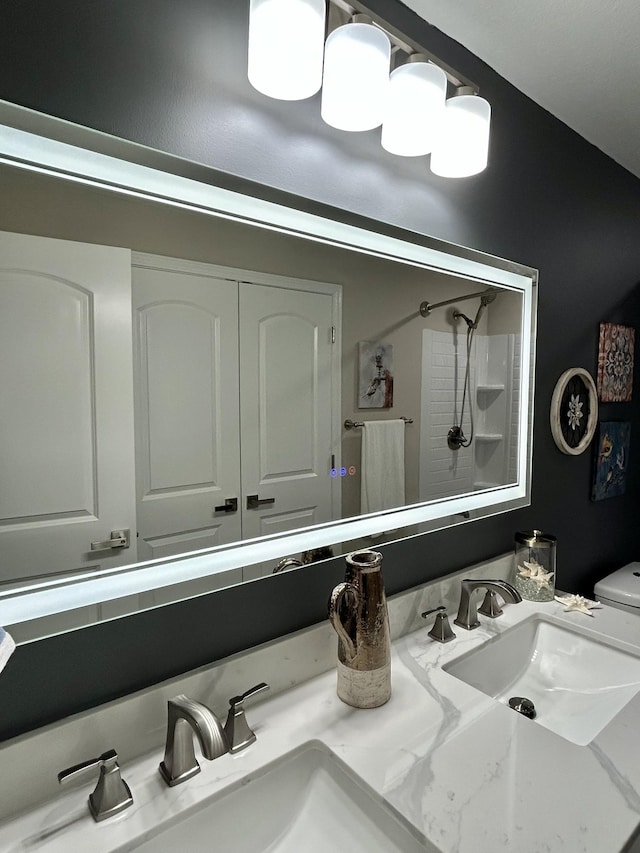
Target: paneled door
[66,417]
[186,381]
[286,406]
[236,390]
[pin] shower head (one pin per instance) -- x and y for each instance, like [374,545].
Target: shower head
[487,297]
[470,323]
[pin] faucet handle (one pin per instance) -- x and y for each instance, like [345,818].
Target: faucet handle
[441,630]
[111,795]
[490,606]
[237,730]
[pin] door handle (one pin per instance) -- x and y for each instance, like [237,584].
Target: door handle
[119,539]
[230,505]
[254,502]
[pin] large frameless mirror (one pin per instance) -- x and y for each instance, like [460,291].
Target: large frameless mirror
[205,382]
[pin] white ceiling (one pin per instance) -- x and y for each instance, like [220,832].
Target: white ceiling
[579,59]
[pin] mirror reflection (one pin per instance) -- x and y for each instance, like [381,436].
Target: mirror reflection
[232,360]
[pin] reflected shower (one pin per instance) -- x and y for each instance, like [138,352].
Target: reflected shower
[485,298]
[456,437]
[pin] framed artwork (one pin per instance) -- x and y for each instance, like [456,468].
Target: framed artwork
[574,411]
[615,363]
[612,460]
[375,375]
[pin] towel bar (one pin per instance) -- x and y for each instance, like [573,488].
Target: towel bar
[349,424]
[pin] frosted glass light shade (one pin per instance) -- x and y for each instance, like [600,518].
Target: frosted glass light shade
[286,42]
[462,146]
[356,75]
[414,108]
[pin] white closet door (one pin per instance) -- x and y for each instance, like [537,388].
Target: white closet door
[66,419]
[286,408]
[186,381]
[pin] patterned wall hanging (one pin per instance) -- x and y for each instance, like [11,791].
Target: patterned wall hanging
[615,363]
[574,411]
[612,460]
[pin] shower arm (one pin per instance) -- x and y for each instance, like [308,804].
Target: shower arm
[427,307]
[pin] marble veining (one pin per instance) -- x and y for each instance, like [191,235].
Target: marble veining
[623,784]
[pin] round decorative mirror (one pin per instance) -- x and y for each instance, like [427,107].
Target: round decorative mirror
[574,411]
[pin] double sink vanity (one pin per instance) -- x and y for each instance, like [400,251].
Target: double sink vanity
[446,766]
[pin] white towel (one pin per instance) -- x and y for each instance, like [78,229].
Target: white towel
[382,466]
[7,648]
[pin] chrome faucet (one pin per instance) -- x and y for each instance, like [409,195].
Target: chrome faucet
[468,610]
[186,718]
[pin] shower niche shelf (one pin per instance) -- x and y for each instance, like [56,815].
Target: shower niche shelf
[489,437]
[489,389]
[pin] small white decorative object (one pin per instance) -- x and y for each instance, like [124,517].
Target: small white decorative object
[578,603]
[536,573]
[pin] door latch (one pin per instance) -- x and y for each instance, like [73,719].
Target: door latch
[119,539]
[230,505]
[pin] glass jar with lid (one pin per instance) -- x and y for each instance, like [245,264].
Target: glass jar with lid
[535,565]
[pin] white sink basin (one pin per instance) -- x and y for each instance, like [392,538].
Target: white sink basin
[306,802]
[577,683]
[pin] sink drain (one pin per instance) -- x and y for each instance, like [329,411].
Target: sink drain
[523,706]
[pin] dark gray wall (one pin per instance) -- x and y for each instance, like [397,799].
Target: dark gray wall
[172,75]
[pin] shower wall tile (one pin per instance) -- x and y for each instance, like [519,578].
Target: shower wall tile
[443,472]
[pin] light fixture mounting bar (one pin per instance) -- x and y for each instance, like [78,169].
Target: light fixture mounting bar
[399,40]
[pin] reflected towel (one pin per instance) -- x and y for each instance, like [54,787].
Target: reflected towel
[7,648]
[382,465]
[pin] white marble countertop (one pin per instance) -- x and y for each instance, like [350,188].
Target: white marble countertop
[468,772]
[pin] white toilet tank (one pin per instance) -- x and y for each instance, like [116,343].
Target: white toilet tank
[621,589]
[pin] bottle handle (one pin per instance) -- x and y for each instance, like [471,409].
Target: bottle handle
[335,603]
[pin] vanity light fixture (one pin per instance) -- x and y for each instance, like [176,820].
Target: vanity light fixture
[280,65]
[358,91]
[414,108]
[357,57]
[462,145]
